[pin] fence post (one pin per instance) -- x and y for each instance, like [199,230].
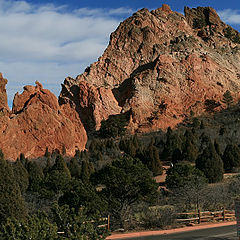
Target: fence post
[199,216]
[224,214]
[108,223]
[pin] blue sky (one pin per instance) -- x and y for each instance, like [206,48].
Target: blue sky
[50,40]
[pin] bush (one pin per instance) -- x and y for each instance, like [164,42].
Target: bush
[159,216]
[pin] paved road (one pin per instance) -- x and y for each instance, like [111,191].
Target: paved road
[219,233]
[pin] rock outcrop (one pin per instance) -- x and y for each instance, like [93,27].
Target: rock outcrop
[36,122]
[161,66]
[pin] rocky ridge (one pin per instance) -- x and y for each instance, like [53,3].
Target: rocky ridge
[37,122]
[161,66]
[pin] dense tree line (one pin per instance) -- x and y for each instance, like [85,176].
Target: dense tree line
[115,176]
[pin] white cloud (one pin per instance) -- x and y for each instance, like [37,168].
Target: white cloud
[47,42]
[230,16]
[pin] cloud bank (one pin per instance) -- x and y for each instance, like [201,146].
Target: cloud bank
[48,42]
[230,16]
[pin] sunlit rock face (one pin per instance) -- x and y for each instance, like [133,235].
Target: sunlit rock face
[37,122]
[160,66]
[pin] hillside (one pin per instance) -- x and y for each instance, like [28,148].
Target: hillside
[159,66]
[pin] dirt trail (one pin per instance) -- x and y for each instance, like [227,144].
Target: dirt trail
[176,230]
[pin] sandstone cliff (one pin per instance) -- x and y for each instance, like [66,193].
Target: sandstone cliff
[36,122]
[160,66]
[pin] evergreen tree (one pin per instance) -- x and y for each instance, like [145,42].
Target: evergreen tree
[211,164]
[181,174]
[36,175]
[154,163]
[58,177]
[86,170]
[227,98]
[23,160]
[74,168]
[48,166]
[231,157]
[77,225]
[177,156]
[187,184]
[11,201]
[81,195]
[126,181]
[47,153]
[21,175]
[190,152]
[217,148]
[36,226]
[173,141]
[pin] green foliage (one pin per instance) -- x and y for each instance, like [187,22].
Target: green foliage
[114,126]
[33,227]
[21,175]
[173,142]
[150,157]
[181,174]
[126,181]
[11,201]
[236,38]
[77,226]
[227,98]
[84,195]
[58,178]
[47,153]
[231,157]
[210,105]
[87,170]
[35,173]
[128,146]
[211,164]
[75,168]
[232,35]
[177,156]
[154,164]
[187,184]
[190,152]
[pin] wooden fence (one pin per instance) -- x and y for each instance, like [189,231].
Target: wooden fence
[199,217]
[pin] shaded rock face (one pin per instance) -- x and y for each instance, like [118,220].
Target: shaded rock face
[36,122]
[160,65]
[92,103]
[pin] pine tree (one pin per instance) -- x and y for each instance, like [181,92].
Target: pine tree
[11,201]
[21,175]
[231,157]
[227,98]
[86,170]
[211,164]
[173,141]
[47,153]
[190,152]
[74,168]
[36,175]
[154,163]
[177,156]
[58,177]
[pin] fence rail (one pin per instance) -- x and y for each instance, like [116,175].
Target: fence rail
[207,216]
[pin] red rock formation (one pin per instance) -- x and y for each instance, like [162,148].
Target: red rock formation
[37,121]
[155,58]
